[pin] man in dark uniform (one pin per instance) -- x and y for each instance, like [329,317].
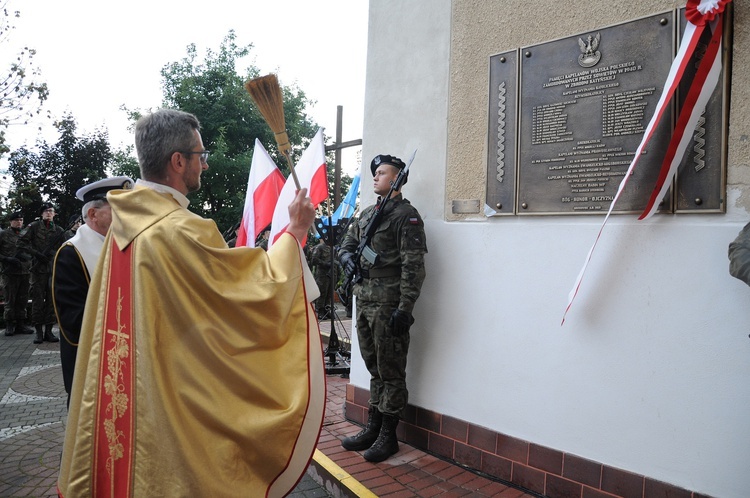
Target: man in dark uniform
[320,261]
[15,266]
[385,299]
[41,239]
[74,264]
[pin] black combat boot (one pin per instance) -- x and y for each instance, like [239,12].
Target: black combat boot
[386,444]
[22,328]
[48,335]
[10,328]
[39,335]
[368,435]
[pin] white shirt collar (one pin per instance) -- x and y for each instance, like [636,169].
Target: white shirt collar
[165,189]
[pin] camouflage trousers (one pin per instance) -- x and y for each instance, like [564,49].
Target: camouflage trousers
[384,356]
[42,309]
[323,279]
[16,297]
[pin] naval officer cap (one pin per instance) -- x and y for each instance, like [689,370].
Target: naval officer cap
[98,189]
[386,159]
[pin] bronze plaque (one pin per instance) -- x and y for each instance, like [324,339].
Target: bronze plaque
[585,102]
[701,177]
[502,134]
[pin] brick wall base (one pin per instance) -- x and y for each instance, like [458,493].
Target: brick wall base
[543,470]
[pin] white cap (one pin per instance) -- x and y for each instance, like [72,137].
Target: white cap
[99,188]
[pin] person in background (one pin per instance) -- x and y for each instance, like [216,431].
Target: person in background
[320,261]
[74,264]
[200,365]
[739,255]
[262,241]
[15,266]
[41,239]
[385,299]
[74,222]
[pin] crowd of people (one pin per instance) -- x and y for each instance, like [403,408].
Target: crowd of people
[26,256]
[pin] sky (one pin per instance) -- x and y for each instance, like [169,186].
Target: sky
[97,56]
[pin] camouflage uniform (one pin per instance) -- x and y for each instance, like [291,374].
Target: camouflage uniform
[320,260]
[15,268]
[739,255]
[41,240]
[395,282]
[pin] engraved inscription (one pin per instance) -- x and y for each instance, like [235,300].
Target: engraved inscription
[581,125]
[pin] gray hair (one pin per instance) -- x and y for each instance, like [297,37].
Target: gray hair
[96,203]
[159,135]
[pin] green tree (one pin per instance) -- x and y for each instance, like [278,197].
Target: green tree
[213,90]
[21,97]
[57,171]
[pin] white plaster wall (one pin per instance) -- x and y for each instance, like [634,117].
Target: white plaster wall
[650,371]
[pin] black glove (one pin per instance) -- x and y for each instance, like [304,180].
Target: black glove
[400,322]
[347,262]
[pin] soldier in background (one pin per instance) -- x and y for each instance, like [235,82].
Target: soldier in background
[320,261]
[385,299]
[74,223]
[41,239]
[15,266]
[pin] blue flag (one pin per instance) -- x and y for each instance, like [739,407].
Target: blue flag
[347,206]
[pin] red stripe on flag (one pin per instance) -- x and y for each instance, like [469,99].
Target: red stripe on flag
[669,166]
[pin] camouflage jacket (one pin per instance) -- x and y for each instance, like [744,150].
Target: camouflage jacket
[739,255]
[42,242]
[9,249]
[320,257]
[401,245]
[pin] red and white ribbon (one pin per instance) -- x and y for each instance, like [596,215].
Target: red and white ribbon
[698,15]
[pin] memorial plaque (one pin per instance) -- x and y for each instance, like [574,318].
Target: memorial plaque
[701,177]
[502,134]
[585,102]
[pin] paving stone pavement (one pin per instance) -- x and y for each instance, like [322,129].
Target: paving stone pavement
[32,420]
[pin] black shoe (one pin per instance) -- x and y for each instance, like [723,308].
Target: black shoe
[48,335]
[386,444]
[367,436]
[39,335]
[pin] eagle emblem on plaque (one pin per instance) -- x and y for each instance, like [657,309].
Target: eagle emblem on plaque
[590,54]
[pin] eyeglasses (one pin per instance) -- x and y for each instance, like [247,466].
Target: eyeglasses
[203,153]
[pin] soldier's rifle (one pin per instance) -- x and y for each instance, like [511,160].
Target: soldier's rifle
[363,249]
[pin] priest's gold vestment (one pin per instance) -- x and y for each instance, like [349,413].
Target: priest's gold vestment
[200,370]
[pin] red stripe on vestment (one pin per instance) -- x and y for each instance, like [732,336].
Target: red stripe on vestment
[115,407]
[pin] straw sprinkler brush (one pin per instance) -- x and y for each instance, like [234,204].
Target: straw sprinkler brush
[266,94]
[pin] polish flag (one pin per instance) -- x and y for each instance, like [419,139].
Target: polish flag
[311,172]
[263,188]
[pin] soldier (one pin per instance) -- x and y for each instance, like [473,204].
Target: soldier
[74,223]
[320,260]
[385,299]
[739,255]
[15,267]
[41,239]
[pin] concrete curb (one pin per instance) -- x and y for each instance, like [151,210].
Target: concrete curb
[335,479]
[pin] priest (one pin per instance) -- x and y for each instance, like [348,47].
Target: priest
[200,369]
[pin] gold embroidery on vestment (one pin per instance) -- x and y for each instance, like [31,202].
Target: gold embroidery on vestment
[114,386]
